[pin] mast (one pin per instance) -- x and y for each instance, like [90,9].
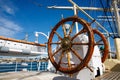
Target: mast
[116,12]
[117,16]
[115,9]
[84,8]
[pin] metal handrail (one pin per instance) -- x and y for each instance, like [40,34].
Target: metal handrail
[16,66]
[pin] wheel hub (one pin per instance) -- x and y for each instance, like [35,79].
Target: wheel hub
[66,43]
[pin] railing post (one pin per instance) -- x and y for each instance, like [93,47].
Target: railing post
[38,66]
[31,66]
[16,66]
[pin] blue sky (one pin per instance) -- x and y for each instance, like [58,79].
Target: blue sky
[18,17]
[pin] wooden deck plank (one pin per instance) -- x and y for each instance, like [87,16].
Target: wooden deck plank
[109,76]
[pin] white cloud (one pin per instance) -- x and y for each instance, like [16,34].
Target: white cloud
[7,6]
[8,9]
[6,32]
[10,24]
[9,28]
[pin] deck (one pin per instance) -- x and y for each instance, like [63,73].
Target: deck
[31,75]
[109,76]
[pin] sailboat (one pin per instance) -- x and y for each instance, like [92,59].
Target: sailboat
[30,49]
[13,47]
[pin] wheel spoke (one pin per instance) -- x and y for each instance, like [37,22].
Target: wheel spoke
[77,43]
[61,56]
[99,41]
[80,58]
[56,51]
[71,28]
[82,31]
[76,54]
[64,31]
[99,44]
[55,42]
[58,35]
[68,58]
[102,41]
[65,41]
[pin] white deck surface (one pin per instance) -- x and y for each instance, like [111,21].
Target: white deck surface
[50,76]
[32,76]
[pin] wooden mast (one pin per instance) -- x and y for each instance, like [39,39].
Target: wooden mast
[117,40]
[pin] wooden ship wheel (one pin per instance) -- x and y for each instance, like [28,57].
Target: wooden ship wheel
[102,43]
[64,44]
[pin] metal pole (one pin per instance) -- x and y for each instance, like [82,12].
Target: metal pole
[84,8]
[117,40]
[116,12]
[39,66]
[109,45]
[37,35]
[91,19]
[16,67]
[88,15]
[75,13]
[31,66]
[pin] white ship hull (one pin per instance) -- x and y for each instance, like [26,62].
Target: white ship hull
[12,47]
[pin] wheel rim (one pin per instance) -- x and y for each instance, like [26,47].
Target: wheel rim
[102,41]
[65,46]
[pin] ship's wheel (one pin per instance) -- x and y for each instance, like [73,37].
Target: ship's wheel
[101,42]
[62,41]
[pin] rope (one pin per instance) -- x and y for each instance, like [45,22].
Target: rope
[114,24]
[107,19]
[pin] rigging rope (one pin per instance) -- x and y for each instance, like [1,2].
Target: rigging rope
[114,24]
[107,19]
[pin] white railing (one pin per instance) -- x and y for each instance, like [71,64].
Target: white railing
[23,66]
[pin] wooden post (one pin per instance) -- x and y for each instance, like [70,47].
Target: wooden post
[117,45]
